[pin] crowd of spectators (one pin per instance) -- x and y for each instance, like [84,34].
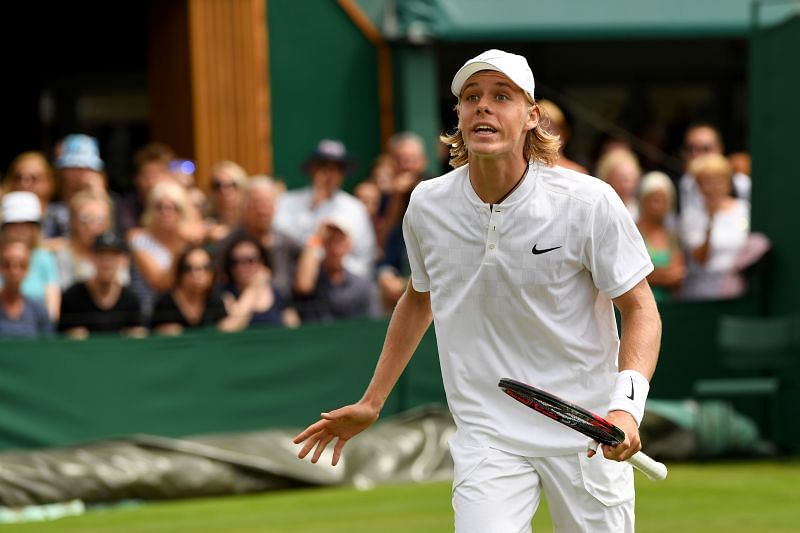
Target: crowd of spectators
[79,259]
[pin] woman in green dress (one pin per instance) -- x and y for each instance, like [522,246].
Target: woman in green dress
[656,202]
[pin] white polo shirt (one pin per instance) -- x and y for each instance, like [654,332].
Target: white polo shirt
[523,291]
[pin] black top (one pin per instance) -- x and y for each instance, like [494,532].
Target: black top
[78,309]
[167,311]
[269,317]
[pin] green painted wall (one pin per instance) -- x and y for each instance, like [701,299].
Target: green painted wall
[323,73]
[416,95]
[775,115]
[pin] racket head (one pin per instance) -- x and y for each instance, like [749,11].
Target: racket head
[564,412]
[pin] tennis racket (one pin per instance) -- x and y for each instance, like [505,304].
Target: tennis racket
[580,420]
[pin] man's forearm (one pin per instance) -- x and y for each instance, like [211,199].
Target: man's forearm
[410,320]
[641,339]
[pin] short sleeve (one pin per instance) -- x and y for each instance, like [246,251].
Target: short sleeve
[615,252]
[49,267]
[44,325]
[419,275]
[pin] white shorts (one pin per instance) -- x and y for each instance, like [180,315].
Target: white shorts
[498,492]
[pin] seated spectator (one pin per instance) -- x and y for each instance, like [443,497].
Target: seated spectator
[31,172]
[382,174]
[714,234]
[325,290]
[703,138]
[79,169]
[193,302]
[370,195]
[228,181]
[656,202]
[101,304]
[742,164]
[21,216]
[20,316]
[89,217]
[555,123]
[408,150]
[260,197]
[249,296]
[195,229]
[154,247]
[394,268]
[620,169]
[182,171]
[301,211]
[152,163]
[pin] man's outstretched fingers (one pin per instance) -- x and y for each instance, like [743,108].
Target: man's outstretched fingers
[337,450]
[310,443]
[310,430]
[321,444]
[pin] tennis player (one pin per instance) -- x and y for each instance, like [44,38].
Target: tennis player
[518,261]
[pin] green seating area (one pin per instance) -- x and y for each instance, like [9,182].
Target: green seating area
[60,392]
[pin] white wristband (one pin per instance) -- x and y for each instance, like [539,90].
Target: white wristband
[630,394]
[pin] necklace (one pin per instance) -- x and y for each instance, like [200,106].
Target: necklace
[512,189]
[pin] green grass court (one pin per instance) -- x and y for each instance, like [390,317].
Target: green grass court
[741,497]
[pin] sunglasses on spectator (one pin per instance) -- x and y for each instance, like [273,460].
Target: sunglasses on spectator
[28,177]
[91,219]
[188,267]
[166,206]
[218,185]
[244,260]
[698,148]
[12,264]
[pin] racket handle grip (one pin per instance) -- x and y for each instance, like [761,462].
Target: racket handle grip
[649,466]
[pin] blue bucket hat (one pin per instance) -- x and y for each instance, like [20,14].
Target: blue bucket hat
[80,151]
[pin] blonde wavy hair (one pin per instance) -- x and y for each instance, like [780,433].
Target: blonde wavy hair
[167,190]
[540,145]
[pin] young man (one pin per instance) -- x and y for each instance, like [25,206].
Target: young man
[102,304]
[20,316]
[324,289]
[518,261]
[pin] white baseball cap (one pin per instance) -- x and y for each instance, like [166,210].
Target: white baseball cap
[340,222]
[21,206]
[512,65]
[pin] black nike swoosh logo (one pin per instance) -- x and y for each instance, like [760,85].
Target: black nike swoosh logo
[534,251]
[630,396]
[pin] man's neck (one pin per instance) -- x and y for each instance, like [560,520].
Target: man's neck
[650,223]
[258,231]
[320,195]
[334,270]
[100,287]
[10,295]
[494,179]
